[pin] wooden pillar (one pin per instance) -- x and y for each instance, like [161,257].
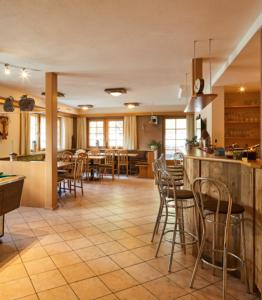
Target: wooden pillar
[197,71]
[51,139]
[260,43]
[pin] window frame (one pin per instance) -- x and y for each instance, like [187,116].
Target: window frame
[105,128]
[164,131]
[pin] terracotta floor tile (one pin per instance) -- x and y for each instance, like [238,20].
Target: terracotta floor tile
[136,293]
[60,293]
[13,272]
[111,247]
[102,265]
[31,297]
[63,227]
[143,272]
[109,297]
[161,264]
[79,243]
[39,265]
[49,239]
[131,243]
[211,293]
[65,259]
[27,243]
[91,288]
[88,231]
[100,238]
[77,272]
[71,235]
[43,231]
[33,253]
[164,289]
[125,259]
[47,280]
[118,234]
[118,280]
[89,253]
[16,289]
[56,248]
[183,277]
[146,252]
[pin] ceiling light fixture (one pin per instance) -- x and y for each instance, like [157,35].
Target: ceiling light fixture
[242,89]
[131,105]
[7,70]
[116,91]
[85,106]
[24,73]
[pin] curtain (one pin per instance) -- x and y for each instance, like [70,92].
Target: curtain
[81,138]
[190,120]
[67,132]
[24,146]
[130,132]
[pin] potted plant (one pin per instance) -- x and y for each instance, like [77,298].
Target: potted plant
[192,143]
[154,145]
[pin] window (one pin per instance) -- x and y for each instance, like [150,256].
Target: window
[175,136]
[33,132]
[42,133]
[96,133]
[38,133]
[115,133]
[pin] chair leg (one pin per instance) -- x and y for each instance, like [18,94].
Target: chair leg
[81,180]
[75,188]
[224,273]
[243,243]
[163,231]
[158,219]
[198,260]
[173,247]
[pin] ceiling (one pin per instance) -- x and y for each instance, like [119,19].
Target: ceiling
[245,69]
[144,46]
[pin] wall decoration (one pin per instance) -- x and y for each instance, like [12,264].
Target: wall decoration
[3,127]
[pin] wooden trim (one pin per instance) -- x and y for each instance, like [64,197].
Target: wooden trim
[171,114]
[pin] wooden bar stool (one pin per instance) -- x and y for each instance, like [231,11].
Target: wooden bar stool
[214,204]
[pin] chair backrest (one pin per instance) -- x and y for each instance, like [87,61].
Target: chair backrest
[80,151]
[122,156]
[67,156]
[109,157]
[78,168]
[209,189]
[94,151]
[179,158]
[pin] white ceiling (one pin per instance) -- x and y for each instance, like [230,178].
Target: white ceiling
[245,69]
[142,45]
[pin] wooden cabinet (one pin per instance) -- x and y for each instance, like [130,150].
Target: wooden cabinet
[242,118]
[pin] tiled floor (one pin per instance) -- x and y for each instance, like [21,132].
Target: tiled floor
[98,247]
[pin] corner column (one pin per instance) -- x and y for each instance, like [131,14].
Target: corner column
[51,139]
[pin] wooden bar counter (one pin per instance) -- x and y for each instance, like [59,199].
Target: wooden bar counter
[244,180]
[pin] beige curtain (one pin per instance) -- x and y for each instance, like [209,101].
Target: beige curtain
[130,132]
[81,138]
[67,132]
[190,120]
[24,133]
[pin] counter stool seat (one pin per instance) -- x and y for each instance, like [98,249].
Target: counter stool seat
[210,204]
[182,194]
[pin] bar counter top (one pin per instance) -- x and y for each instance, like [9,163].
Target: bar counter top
[202,155]
[10,179]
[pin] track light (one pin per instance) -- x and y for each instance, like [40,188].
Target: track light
[7,70]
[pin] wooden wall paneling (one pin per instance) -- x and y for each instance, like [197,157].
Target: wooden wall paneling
[258,230]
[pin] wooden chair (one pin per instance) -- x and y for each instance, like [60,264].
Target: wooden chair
[109,163]
[76,176]
[67,156]
[122,161]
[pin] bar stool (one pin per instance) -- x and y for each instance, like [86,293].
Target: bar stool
[157,169]
[218,209]
[179,200]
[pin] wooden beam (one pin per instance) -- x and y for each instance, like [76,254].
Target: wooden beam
[51,139]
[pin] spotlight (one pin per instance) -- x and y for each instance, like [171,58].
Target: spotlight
[7,70]
[242,89]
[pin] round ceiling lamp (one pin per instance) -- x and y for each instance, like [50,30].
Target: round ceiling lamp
[85,106]
[116,92]
[131,105]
